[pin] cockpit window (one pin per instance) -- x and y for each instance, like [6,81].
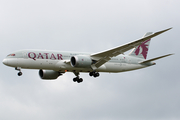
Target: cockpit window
[11,55]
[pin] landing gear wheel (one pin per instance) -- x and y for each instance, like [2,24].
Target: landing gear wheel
[74,79]
[96,74]
[91,73]
[80,80]
[19,69]
[19,73]
[77,79]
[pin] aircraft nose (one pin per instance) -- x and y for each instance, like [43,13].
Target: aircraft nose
[5,62]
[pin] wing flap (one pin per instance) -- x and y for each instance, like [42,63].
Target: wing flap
[101,62]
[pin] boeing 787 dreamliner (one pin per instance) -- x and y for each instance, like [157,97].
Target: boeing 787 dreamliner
[52,64]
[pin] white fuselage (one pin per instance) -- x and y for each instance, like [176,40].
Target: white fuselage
[60,61]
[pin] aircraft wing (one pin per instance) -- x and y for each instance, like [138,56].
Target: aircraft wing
[105,56]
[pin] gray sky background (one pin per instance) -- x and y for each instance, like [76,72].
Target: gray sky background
[90,26]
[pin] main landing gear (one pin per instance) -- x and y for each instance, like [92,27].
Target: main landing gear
[19,69]
[77,79]
[94,74]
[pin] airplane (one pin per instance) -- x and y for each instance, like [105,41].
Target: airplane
[52,64]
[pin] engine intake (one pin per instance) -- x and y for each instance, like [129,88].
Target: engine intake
[81,61]
[49,74]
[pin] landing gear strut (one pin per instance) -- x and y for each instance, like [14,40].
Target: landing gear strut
[77,79]
[19,69]
[95,74]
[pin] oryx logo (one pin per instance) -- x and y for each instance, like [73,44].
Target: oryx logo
[143,50]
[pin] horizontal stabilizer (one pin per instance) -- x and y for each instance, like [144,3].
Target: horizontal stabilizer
[147,61]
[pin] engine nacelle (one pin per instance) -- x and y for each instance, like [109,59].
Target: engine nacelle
[49,74]
[81,61]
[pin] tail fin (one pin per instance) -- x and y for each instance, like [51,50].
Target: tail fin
[141,51]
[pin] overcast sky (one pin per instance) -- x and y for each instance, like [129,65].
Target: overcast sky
[90,26]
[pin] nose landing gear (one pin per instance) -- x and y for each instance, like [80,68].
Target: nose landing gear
[19,69]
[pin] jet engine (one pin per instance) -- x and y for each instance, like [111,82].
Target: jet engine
[49,74]
[81,61]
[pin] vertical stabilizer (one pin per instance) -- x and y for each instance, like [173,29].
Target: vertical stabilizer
[141,51]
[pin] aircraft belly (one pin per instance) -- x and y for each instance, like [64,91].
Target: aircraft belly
[120,67]
[113,67]
[130,67]
[62,66]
